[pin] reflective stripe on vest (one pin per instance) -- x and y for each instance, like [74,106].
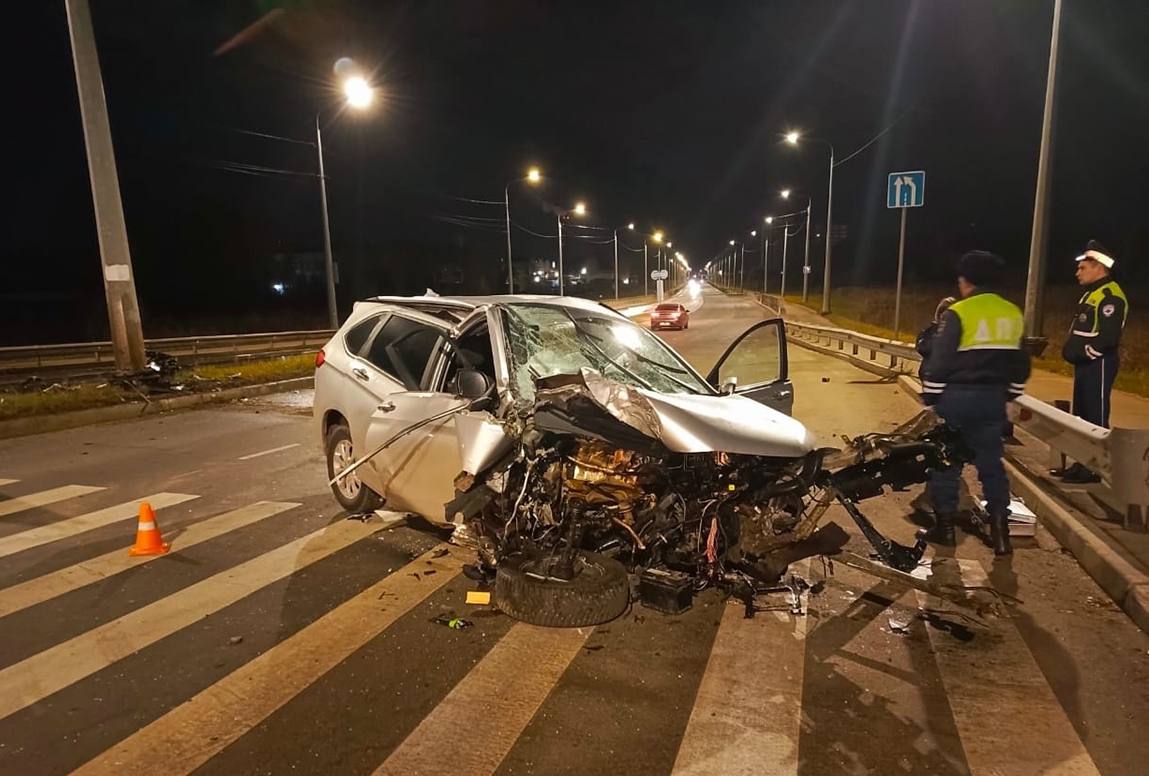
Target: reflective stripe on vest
[989,322]
[1095,297]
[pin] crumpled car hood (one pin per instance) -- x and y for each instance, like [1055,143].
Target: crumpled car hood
[690,423]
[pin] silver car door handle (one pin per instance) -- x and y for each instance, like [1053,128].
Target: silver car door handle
[360,372]
[387,406]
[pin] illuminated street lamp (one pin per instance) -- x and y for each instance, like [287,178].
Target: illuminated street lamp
[792,137]
[358,95]
[578,210]
[785,193]
[534,176]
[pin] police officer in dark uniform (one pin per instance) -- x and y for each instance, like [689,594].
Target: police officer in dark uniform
[976,364]
[1092,344]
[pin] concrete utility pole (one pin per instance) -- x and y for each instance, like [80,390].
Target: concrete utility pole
[1038,236]
[806,257]
[328,257]
[119,283]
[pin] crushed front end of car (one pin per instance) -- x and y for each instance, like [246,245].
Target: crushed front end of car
[596,487]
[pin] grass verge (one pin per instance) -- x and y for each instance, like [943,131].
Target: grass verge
[201,379]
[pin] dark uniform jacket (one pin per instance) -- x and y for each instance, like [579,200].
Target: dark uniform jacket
[955,357]
[1097,323]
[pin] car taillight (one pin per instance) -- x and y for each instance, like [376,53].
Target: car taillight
[319,359]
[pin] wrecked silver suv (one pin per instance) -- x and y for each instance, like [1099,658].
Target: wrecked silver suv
[584,459]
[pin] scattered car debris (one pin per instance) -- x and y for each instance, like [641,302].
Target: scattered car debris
[899,625]
[454,623]
[479,597]
[235,640]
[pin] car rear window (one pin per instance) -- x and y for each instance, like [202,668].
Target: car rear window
[354,339]
[667,307]
[402,349]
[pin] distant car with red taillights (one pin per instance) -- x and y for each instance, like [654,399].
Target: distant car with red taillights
[669,315]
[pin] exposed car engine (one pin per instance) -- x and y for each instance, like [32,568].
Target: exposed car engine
[584,494]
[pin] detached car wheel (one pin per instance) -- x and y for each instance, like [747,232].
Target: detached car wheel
[526,590]
[350,492]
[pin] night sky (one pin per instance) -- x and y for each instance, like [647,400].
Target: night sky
[669,114]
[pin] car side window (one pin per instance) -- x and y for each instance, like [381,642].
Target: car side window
[470,351]
[356,338]
[402,349]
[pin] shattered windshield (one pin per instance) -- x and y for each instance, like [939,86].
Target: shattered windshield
[547,340]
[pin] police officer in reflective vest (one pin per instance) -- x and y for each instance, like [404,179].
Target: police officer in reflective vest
[1092,344]
[975,366]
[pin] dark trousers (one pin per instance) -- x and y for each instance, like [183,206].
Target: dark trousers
[1092,385]
[977,412]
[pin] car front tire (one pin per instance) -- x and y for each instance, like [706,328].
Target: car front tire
[350,492]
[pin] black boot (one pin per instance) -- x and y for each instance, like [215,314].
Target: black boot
[999,532]
[942,531]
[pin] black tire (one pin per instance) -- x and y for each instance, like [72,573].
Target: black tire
[599,592]
[357,501]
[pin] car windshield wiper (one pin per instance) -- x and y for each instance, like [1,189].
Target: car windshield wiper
[645,359]
[593,340]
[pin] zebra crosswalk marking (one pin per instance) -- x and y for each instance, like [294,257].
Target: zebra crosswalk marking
[747,718]
[488,710]
[40,589]
[62,529]
[1006,714]
[43,498]
[44,673]
[192,733]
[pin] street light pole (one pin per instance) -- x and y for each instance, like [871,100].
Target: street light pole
[806,257]
[785,248]
[1035,279]
[510,273]
[111,230]
[559,219]
[742,273]
[827,263]
[328,258]
[645,272]
[616,264]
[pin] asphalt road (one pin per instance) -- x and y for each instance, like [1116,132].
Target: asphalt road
[280,637]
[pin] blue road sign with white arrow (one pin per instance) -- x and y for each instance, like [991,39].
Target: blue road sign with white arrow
[906,189]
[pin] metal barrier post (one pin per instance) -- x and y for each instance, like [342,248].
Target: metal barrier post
[1129,459]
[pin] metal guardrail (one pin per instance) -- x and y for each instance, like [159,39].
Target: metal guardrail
[1119,455]
[95,355]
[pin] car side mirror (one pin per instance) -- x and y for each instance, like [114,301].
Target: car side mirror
[473,384]
[730,386]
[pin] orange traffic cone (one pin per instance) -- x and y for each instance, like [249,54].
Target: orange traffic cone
[148,539]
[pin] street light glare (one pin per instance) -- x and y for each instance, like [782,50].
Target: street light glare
[669,244]
[769,219]
[731,242]
[630,226]
[358,92]
[785,193]
[580,209]
[657,237]
[753,232]
[792,138]
[533,175]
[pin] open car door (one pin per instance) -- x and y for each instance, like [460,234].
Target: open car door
[755,365]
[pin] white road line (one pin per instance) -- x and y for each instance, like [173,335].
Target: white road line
[32,500]
[44,673]
[488,709]
[4,482]
[40,589]
[194,732]
[747,716]
[1006,714]
[62,529]
[268,452]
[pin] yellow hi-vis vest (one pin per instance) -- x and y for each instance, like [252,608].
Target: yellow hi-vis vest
[989,322]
